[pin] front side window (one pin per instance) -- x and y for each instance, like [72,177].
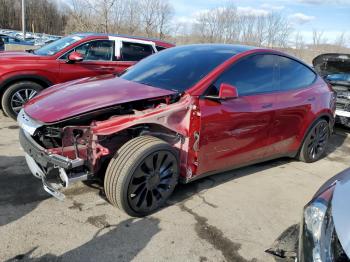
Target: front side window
[99,50]
[251,75]
[57,46]
[135,51]
[293,75]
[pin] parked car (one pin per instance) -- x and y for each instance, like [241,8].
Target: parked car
[15,41]
[2,44]
[325,228]
[182,114]
[24,74]
[335,68]
[324,232]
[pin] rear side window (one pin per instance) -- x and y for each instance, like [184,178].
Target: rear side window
[135,51]
[293,75]
[251,75]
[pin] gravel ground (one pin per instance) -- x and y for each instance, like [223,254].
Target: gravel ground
[233,216]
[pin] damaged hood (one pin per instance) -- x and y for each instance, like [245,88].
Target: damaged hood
[78,97]
[330,64]
[341,211]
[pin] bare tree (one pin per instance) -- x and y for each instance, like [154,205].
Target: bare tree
[318,38]
[227,25]
[341,40]
[41,15]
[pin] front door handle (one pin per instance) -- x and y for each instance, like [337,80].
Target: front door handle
[267,105]
[311,99]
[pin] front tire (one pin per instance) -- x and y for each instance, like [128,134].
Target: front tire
[17,95]
[315,143]
[142,175]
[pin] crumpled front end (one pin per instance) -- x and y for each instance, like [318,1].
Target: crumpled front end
[57,155]
[80,148]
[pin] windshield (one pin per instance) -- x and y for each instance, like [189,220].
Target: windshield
[179,68]
[54,47]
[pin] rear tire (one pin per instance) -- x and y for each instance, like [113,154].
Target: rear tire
[142,175]
[315,144]
[16,95]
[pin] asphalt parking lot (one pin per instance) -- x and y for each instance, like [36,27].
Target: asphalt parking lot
[233,216]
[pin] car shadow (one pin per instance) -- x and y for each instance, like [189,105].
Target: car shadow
[183,192]
[121,242]
[337,149]
[19,189]
[344,128]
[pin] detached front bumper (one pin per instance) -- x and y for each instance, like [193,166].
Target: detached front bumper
[43,164]
[43,157]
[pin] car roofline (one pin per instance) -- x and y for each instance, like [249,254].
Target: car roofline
[92,34]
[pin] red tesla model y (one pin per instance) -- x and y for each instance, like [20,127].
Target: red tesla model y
[179,115]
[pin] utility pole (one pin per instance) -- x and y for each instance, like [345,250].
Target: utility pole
[23,19]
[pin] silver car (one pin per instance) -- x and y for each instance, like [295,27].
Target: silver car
[325,227]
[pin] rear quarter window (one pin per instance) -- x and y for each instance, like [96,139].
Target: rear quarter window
[160,48]
[293,74]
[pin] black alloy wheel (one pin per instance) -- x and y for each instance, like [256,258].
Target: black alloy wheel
[315,144]
[152,181]
[142,175]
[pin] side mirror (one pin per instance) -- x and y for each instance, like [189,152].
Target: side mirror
[75,57]
[227,91]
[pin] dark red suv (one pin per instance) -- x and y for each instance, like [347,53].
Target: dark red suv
[24,74]
[182,114]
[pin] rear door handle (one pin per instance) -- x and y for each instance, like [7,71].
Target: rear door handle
[311,99]
[267,106]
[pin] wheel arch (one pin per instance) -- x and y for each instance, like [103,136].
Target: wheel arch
[153,129]
[43,81]
[324,115]
[119,138]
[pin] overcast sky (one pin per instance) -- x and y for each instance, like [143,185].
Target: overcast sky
[330,16]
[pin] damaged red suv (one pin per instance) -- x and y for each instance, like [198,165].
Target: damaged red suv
[182,114]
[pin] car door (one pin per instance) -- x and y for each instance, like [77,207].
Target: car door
[236,132]
[294,100]
[99,59]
